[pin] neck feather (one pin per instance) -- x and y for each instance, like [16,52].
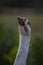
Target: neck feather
[23,50]
[24,41]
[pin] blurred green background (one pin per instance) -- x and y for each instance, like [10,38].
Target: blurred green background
[9,35]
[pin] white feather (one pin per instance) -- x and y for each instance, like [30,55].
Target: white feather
[24,41]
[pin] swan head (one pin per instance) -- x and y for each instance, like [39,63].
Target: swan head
[24,25]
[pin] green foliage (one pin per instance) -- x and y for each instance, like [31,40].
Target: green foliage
[8,47]
[36,52]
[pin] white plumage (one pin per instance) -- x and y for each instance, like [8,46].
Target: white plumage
[24,41]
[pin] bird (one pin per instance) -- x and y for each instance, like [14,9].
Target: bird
[24,40]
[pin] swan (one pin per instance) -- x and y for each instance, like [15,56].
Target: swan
[24,40]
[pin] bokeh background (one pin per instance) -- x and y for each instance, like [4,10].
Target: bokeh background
[9,36]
